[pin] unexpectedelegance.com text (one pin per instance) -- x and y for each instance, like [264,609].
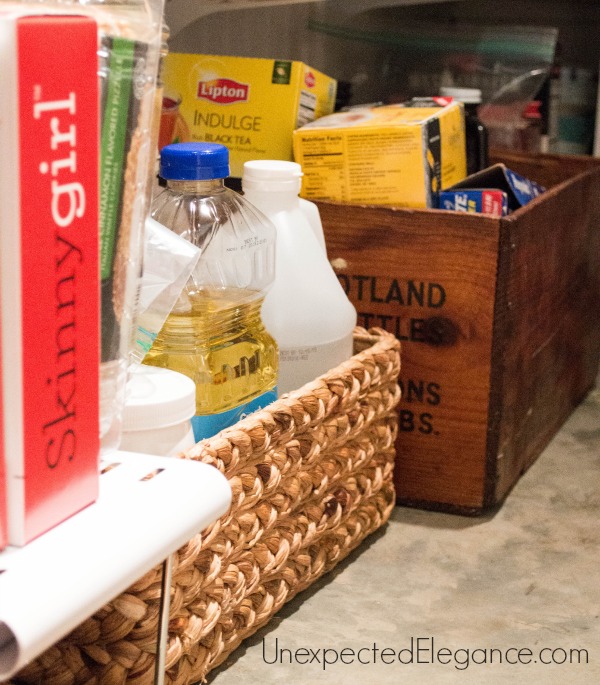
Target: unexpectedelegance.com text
[422,650]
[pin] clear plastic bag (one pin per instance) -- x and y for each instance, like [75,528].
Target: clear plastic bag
[129,37]
[168,263]
[412,59]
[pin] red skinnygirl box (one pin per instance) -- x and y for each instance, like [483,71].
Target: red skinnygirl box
[49,282]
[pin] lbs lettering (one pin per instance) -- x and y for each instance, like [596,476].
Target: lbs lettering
[420,392]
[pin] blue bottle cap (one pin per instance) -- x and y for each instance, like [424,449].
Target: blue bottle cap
[194,162]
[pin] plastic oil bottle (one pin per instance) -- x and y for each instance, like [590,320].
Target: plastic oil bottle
[306,309]
[215,334]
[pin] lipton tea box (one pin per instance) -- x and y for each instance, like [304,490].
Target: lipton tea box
[390,155]
[49,279]
[250,105]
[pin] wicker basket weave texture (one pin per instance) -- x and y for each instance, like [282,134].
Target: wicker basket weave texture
[311,476]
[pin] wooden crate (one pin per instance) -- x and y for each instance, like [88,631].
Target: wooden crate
[499,321]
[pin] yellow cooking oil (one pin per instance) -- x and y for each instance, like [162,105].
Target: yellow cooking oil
[220,342]
[214,333]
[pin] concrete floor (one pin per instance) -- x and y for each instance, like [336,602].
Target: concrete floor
[527,577]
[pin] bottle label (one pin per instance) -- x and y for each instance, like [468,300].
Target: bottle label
[207,426]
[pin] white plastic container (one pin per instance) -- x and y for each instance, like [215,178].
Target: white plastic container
[306,310]
[157,413]
[311,211]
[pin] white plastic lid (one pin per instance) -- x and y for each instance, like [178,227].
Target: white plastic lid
[470,96]
[157,398]
[272,175]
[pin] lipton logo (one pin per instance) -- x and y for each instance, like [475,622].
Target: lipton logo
[223,91]
[309,79]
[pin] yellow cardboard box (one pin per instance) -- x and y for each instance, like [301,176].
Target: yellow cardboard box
[390,155]
[250,105]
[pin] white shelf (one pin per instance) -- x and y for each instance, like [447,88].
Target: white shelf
[51,585]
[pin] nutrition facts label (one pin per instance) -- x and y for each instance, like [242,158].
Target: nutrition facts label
[306,108]
[364,167]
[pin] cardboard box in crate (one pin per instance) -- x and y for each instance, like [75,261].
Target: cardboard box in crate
[500,324]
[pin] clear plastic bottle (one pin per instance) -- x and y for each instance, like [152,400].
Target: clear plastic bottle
[306,309]
[215,334]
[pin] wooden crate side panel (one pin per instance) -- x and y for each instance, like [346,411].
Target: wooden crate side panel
[552,333]
[429,278]
[548,170]
[500,332]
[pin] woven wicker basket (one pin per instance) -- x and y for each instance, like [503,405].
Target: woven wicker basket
[311,477]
